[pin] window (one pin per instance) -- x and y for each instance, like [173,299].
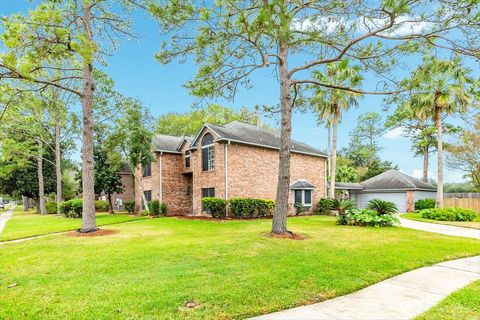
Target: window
[147,170]
[208,192]
[303,197]
[187,159]
[148,195]
[208,153]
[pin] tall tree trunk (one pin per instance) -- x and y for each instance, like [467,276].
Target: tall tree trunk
[139,205]
[279,223]
[25,203]
[333,163]
[41,183]
[110,204]
[58,166]
[88,215]
[425,164]
[438,123]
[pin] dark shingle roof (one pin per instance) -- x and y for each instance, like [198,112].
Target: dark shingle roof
[302,184]
[395,180]
[166,143]
[240,132]
[348,186]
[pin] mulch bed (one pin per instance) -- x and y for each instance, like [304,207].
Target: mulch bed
[286,235]
[98,233]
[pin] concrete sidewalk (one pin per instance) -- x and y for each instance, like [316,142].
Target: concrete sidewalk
[440,228]
[4,217]
[402,297]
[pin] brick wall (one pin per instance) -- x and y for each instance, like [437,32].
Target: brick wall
[127,194]
[177,191]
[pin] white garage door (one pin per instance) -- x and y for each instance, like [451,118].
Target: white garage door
[400,199]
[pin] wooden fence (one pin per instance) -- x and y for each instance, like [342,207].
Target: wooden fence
[462,200]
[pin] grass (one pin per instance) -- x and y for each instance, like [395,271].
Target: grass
[29,224]
[463,304]
[475,224]
[152,267]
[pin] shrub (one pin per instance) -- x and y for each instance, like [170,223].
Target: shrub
[154,207]
[323,206]
[163,209]
[449,214]
[424,204]
[382,207]
[299,208]
[130,206]
[51,207]
[366,217]
[72,208]
[215,206]
[250,208]
[101,206]
[341,205]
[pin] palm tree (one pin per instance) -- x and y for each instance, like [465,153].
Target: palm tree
[440,88]
[329,103]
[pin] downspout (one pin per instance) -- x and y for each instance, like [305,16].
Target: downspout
[327,168]
[160,193]
[226,169]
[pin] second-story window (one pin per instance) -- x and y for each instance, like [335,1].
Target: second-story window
[147,170]
[187,159]
[208,153]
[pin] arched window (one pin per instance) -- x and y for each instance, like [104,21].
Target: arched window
[208,153]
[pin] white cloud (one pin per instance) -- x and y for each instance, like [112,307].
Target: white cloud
[394,133]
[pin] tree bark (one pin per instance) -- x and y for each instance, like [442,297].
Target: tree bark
[25,203]
[438,123]
[333,163]
[139,205]
[88,214]
[58,166]
[279,223]
[110,204]
[425,164]
[41,183]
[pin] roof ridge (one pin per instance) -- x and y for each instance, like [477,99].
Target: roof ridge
[404,177]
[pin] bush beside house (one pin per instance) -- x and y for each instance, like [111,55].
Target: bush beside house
[425,204]
[215,206]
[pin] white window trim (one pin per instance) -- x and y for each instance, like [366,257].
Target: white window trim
[210,160]
[303,196]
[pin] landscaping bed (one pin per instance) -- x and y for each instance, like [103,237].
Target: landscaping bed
[153,268]
[475,224]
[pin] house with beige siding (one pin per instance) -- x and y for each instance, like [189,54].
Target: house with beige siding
[229,161]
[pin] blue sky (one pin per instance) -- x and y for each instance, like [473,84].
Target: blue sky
[138,74]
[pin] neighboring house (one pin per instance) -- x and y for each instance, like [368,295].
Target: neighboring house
[391,185]
[234,160]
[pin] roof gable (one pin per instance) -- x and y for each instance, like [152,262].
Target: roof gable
[165,143]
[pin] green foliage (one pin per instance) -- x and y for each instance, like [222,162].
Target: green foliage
[425,204]
[154,207]
[189,123]
[449,214]
[346,174]
[300,209]
[377,167]
[341,205]
[130,206]
[215,206]
[251,208]
[366,217]
[51,207]
[163,209]
[72,208]
[323,206]
[462,187]
[382,207]
[101,206]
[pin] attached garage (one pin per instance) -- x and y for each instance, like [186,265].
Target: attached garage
[392,185]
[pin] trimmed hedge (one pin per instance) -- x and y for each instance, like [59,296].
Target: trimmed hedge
[51,207]
[215,206]
[130,206]
[101,206]
[449,214]
[365,217]
[72,208]
[425,204]
[157,208]
[251,208]
[323,206]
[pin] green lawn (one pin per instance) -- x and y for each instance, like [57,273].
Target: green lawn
[28,224]
[152,267]
[463,304]
[475,224]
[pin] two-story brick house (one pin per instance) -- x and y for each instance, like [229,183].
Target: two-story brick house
[234,160]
